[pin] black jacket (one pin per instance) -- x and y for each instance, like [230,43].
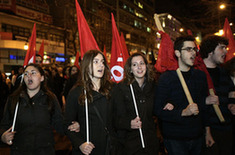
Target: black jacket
[124,112]
[34,123]
[76,112]
[223,85]
[170,90]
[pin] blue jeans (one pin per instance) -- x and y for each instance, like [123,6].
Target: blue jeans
[183,147]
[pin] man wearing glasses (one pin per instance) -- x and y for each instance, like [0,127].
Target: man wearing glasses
[181,122]
[218,135]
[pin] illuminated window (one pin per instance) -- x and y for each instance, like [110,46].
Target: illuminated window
[140,15]
[169,17]
[124,6]
[163,23]
[131,10]
[148,29]
[140,5]
[135,23]
[135,2]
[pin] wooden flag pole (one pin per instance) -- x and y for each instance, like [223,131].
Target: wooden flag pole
[158,23]
[186,91]
[216,108]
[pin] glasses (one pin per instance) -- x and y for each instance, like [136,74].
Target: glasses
[190,49]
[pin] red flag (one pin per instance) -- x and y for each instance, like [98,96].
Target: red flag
[76,63]
[104,52]
[189,32]
[87,41]
[125,51]
[31,52]
[199,64]
[228,34]
[117,56]
[41,49]
[166,59]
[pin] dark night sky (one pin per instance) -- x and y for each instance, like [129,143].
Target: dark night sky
[198,15]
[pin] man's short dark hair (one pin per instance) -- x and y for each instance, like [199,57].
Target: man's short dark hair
[179,42]
[209,44]
[37,55]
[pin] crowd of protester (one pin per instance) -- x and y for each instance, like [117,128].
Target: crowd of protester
[141,115]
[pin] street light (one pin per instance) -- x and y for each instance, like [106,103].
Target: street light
[222,6]
[26,46]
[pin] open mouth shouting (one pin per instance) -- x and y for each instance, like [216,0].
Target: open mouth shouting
[30,81]
[192,58]
[223,56]
[100,71]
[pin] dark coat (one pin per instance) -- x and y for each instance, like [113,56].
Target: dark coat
[76,112]
[223,85]
[34,124]
[70,83]
[170,90]
[124,112]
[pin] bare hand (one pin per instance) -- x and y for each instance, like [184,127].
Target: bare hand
[209,139]
[74,127]
[86,148]
[212,99]
[231,107]
[231,94]
[191,109]
[168,106]
[8,136]
[136,123]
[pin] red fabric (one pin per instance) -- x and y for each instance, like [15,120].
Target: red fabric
[76,63]
[166,59]
[125,51]
[31,52]
[117,56]
[104,52]
[228,34]
[189,32]
[41,50]
[199,64]
[87,41]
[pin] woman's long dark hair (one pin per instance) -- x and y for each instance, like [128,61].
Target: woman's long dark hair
[86,82]
[129,77]
[23,88]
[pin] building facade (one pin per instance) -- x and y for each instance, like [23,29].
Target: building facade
[56,25]
[17,18]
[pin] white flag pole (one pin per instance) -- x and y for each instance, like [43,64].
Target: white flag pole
[14,120]
[87,121]
[137,114]
[16,109]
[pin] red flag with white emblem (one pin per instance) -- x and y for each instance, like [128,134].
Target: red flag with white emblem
[117,57]
[87,41]
[31,52]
